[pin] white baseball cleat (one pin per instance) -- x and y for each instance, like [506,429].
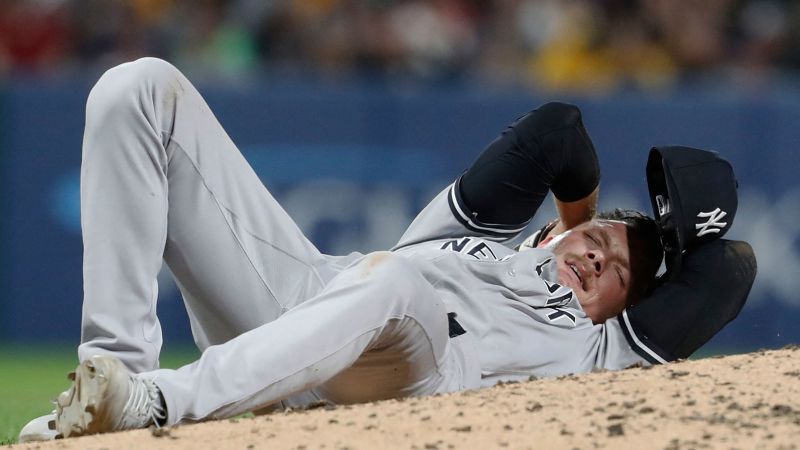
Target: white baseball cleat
[104,397]
[39,429]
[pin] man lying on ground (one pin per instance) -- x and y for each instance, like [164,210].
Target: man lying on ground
[450,307]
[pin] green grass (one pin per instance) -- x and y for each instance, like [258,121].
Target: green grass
[31,377]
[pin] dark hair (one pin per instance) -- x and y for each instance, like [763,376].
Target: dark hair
[645,249]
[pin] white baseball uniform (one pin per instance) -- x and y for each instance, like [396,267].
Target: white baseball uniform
[449,308]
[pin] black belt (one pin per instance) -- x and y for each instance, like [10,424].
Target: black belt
[455,328]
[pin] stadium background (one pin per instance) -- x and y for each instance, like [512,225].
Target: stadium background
[355,112]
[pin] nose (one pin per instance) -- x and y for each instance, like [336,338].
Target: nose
[597,260]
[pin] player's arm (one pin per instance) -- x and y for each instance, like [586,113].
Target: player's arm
[575,213]
[572,214]
[708,278]
[546,150]
[688,310]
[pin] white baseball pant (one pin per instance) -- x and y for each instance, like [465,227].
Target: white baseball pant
[161,178]
[378,330]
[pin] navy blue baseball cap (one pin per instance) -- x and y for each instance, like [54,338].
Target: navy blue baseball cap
[693,194]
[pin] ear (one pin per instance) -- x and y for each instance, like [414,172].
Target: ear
[550,231]
[544,241]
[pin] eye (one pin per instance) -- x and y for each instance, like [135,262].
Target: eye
[593,239]
[619,275]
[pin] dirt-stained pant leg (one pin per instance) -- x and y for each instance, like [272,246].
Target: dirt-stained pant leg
[161,178]
[378,330]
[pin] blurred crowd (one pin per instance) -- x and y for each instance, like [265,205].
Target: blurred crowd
[576,45]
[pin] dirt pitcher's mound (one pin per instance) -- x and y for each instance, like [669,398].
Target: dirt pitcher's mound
[744,401]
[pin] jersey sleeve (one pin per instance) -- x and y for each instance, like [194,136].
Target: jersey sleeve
[446,216]
[546,149]
[614,351]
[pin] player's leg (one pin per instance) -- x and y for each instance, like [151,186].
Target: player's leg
[378,330]
[161,178]
[381,310]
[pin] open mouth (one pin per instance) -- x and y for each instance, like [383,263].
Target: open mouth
[577,273]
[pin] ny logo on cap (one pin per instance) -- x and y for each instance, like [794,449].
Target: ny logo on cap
[713,224]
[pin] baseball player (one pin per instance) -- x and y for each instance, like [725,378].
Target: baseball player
[449,308]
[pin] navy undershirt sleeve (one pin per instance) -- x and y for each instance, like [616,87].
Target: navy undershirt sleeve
[546,149]
[684,313]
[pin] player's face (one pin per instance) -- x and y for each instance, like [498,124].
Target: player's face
[594,260]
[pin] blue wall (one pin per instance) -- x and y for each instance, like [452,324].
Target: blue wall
[353,163]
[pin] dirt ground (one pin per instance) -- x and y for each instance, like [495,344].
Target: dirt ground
[745,401]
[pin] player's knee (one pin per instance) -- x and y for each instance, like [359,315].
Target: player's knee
[127,85]
[142,71]
[150,71]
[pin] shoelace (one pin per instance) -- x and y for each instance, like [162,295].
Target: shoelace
[144,406]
